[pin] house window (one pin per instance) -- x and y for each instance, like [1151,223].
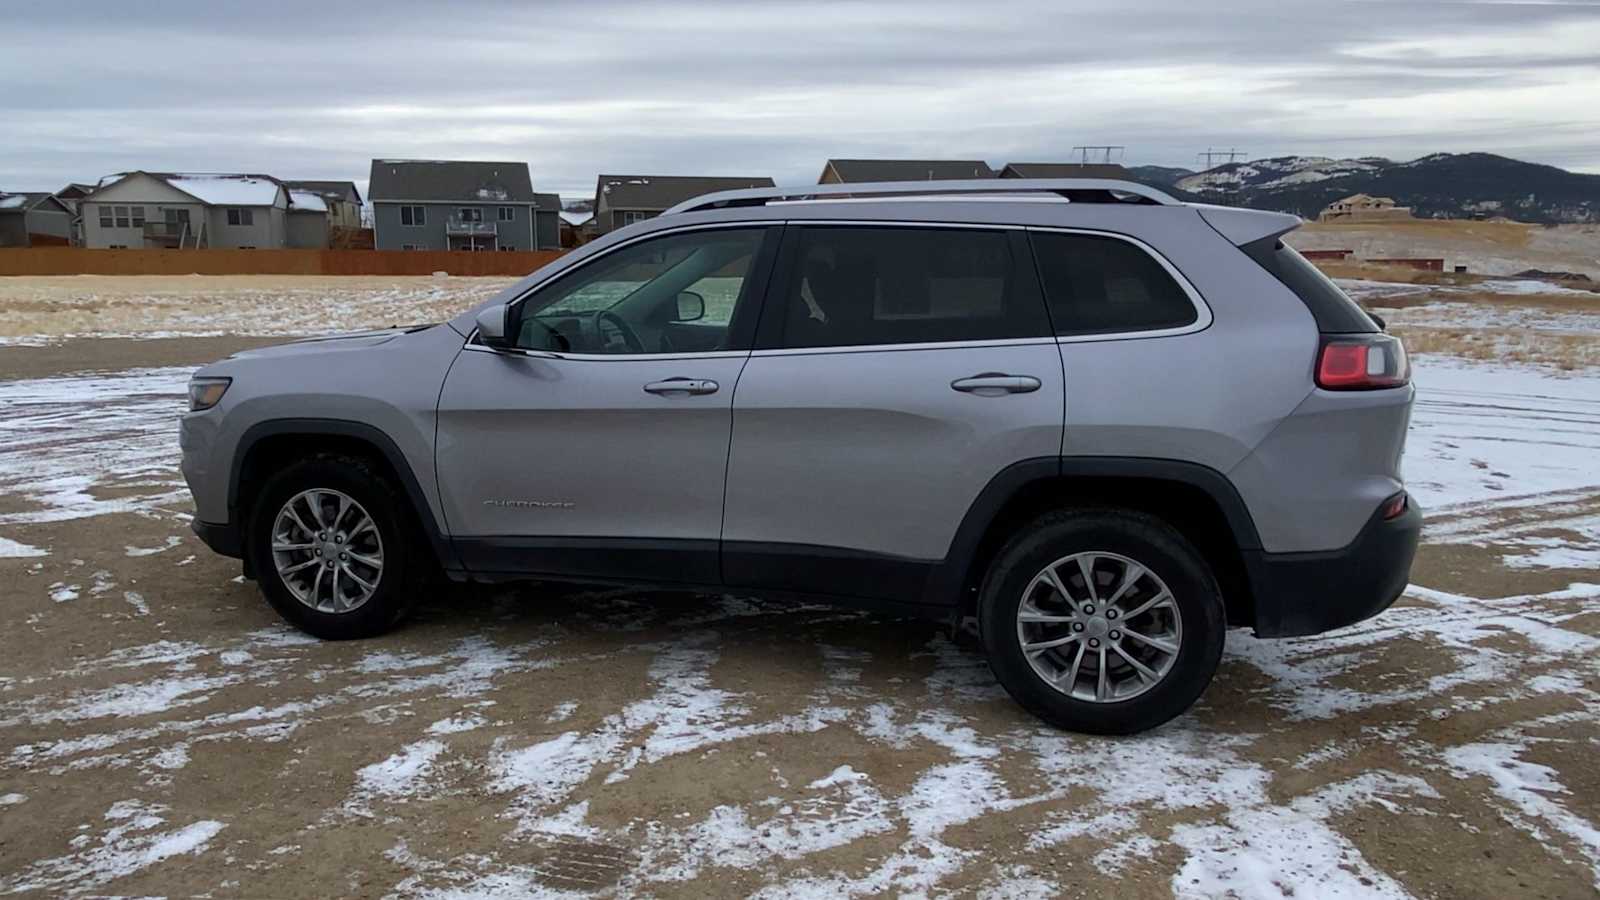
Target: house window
[105,217]
[633,217]
[116,246]
[471,214]
[122,217]
[413,215]
[138,216]
[505,249]
[410,247]
[507,214]
[239,216]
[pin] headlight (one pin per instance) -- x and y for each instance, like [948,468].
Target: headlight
[205,393]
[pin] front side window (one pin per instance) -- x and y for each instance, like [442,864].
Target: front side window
[1104,285]
[240,216]
[122,217]
[106,217]
[633,218]
[413,215]
[506,214]
[471,214]
[854,286]
[671,294]
[137,216]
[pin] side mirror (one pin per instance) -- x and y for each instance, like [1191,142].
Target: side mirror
[691,306]
[492,327]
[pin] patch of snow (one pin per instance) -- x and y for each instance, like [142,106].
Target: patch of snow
[172,541]
[306,200]
[10,549]
[1532,790]
[401,775]
[62,592]
[227,190]
[129,846]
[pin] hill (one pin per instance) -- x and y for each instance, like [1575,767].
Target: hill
[1443,185]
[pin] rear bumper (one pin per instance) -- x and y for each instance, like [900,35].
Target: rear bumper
[223,539]
[1309,593]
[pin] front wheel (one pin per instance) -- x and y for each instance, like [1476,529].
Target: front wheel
[1102,621]
[331,546]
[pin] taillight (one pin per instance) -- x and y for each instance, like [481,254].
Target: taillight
[1362,362]
[1395,506]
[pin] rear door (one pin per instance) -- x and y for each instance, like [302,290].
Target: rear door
[599,446]
[897,370]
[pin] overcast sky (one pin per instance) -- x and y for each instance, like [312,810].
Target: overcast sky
[316,90]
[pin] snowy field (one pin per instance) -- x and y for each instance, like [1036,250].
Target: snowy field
[162,733]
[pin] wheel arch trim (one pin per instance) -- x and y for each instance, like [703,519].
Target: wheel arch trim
[952,575]
[385,445]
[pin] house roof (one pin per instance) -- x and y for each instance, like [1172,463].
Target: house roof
[212,188]
[339,190]
[75,190]
[547,202]
[661,191]
[577,218]
[1063,170]
[307,201]
[25,201]
[449,181]
[859,170]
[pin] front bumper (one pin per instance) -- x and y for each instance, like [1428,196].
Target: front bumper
[223,539]
[1309,593]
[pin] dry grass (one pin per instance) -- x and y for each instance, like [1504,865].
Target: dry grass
[1568,352]
[1509,235]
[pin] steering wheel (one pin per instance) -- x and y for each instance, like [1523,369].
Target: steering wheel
[629,338]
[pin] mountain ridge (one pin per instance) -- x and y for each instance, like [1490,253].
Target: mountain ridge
[1439,185]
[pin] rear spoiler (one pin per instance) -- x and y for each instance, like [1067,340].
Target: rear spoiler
[1246,226]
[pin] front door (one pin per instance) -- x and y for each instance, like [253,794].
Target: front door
[599,447]
[898,370]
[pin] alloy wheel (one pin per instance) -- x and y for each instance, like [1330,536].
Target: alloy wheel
[327,550]
[1099,626]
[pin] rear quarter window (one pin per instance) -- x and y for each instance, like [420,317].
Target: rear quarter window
[1104,285]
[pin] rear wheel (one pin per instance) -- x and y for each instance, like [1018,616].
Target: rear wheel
[1104,621]
[332,546]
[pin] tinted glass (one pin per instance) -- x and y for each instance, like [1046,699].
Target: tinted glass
[1335,312]
[876,285]
[628,301]
[1101,285]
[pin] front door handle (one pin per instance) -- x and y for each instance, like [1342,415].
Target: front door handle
[682,386]
[993,384]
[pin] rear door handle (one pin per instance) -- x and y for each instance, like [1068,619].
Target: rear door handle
[682,386]
[993,384]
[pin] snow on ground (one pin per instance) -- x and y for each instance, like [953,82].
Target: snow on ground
[626,745]
[36,311]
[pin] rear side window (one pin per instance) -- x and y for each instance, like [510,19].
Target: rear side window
[853,286]
[1333,310]
[1105,285]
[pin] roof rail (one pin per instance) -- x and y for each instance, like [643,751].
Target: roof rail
[1076,190]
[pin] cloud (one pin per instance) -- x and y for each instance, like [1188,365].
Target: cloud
[774,88]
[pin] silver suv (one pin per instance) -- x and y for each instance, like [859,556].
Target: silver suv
[1102,424]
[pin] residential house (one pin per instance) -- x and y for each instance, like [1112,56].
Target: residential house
[33,220]
[854,171]
[70,196]
[577,227]
[1364,208]
[170,209]
[625,199]
[1064,170]
[432,204]
[341,198]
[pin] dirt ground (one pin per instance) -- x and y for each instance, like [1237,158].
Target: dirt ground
[161,732]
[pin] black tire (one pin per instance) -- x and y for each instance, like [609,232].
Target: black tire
[1153,544]
[405,561]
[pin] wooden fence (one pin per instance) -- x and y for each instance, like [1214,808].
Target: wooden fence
[79,261]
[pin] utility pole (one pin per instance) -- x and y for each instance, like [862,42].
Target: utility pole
[1210,156]
[1102,151]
